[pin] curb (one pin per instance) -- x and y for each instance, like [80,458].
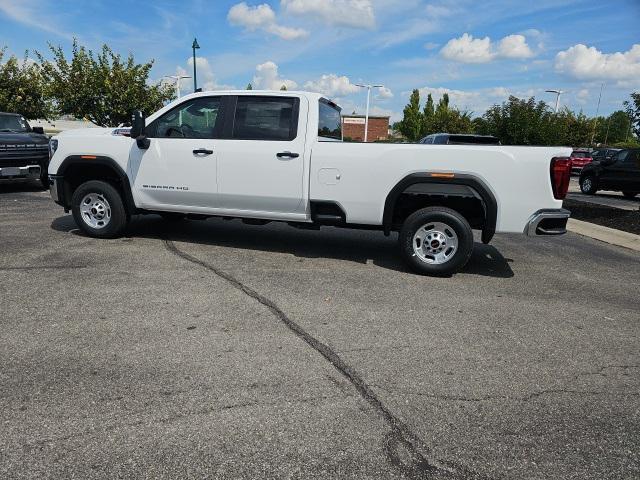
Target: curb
[605,234]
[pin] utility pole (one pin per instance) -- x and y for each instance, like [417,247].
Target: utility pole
[366,115]
[177,79]
[595,120]
[558,93]
[195,46]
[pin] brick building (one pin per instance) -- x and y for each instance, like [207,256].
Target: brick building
[353,127]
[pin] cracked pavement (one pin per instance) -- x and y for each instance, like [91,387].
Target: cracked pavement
[213,349]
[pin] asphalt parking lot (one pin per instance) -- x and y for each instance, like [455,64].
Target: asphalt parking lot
[214,349]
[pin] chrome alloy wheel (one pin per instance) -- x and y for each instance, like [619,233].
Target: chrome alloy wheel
[435,243]
[586,184]
[95,210]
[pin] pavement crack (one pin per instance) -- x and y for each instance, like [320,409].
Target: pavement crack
[404,449]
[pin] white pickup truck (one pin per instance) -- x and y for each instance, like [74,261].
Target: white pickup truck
[277,156]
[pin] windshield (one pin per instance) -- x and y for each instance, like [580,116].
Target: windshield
[329,122]
[13,123]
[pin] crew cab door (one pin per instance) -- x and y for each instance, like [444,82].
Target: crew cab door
[179,168]
[623,173]
[261,161]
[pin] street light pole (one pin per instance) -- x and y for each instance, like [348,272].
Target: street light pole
[558,93]
[194,46]
[595,120]
[177,78]
[366,115]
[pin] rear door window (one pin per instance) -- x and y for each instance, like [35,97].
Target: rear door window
[265,118]
[329,121]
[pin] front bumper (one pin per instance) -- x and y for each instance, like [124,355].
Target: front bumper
[56,189]
[548,222]
[20,173]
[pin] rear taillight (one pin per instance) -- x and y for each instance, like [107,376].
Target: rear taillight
[560,175]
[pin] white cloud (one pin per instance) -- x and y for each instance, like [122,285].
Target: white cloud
[431,45]
[267,78]
[384,93]
[582,96]
[589,63]
[514,46]
[467,49]
[348,13]
[332,85]
[30,12]
[206,78]
[262,17]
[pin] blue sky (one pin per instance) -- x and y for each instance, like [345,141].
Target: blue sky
[478,51]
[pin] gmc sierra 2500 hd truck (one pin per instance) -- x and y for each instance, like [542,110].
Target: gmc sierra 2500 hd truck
[277,156]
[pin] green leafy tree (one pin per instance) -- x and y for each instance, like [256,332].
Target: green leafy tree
[23,89]
[633,110]
[283,87]
[614,128]
[249,87]
[428,114]
[411,123]
[104,88]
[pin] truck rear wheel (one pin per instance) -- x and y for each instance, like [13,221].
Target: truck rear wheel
[436,241]
[98,209]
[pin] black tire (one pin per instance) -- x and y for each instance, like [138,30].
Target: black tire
[629,194]
[118,217]
[172,216]
[588,185]
[450,218]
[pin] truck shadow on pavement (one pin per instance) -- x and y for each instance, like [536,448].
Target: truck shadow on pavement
[360,246]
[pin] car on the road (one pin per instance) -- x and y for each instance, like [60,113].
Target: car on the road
[459,139]
[24,151]
[620,173]
[579,158]
[266,156]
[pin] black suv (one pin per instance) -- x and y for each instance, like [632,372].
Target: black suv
[24,151]
[620,173]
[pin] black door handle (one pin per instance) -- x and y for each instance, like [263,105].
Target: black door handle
[202,151]
[287,155]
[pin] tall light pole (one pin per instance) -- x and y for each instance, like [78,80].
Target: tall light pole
[177,78]
[595,120]
[558,93]
[366,115]
[194,46]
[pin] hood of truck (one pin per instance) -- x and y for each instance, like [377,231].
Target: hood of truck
[24,139]
[85,132]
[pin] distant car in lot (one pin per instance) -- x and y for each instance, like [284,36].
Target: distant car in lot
[579,158]
[459,139]
[620,173]
[24,151]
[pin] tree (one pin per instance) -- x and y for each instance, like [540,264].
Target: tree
[283,87]
[103,88]
[411,123]
[428,117]
[23,88]
[633,110]
[249,87]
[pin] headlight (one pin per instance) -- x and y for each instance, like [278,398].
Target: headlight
[53,146]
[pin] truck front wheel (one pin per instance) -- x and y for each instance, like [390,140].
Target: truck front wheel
[436,241]
[98,209]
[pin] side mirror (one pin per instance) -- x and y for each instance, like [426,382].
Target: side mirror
[137,130]
[39,130]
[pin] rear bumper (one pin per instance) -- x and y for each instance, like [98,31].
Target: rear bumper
[20,173]
[548,222]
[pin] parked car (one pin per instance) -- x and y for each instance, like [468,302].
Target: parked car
[273,156]
[24,151]
[604,153]
[579,158]
[620,173]
[459,139]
